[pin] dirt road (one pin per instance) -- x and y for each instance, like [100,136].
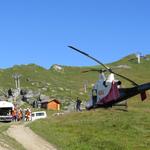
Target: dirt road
[28,138]
[3,148]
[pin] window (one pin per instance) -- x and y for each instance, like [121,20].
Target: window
[39,114]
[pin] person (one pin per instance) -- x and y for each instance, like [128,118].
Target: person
[27,115]
[78,104]
[94,97]
[19,114]
[23,115]
[10,93]
[14,114]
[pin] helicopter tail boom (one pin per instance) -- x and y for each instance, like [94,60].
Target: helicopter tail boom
[126,93]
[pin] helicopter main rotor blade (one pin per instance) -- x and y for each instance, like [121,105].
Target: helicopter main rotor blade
[97,70]
[89,57]
[134,83]
[107,68]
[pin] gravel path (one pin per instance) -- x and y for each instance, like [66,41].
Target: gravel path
[30,141]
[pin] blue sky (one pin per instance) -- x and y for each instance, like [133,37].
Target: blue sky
[39,31]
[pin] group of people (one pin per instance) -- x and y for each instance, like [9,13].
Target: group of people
[19,114]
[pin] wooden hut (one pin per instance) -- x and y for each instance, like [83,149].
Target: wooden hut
[51,104]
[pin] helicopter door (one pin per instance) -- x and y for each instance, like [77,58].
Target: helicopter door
[103,90]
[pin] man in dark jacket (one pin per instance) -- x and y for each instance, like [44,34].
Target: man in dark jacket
[78,104]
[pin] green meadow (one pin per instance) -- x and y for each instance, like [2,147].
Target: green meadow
[100,129]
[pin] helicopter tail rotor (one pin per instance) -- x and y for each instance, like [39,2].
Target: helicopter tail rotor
[143,96]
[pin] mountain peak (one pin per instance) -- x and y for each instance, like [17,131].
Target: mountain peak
[57,67]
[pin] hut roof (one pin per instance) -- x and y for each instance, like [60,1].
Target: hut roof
[50,100]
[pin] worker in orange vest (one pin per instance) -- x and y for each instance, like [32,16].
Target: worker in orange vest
[19,115]
[28,114]
[14,114]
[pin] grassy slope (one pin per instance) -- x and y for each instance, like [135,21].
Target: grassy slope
[69,83]
[98,130]
[103,129]
[139,72]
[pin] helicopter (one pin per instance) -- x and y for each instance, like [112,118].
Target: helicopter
[108,91]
